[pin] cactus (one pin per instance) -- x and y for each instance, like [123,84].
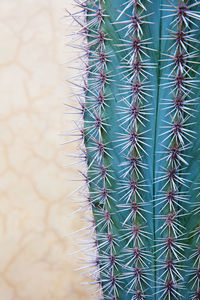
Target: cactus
[139,106]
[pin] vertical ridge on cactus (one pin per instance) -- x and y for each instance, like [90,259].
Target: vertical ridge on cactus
[135,95]
[139,131]
[177,136]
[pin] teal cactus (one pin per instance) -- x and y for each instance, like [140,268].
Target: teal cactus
[139,102]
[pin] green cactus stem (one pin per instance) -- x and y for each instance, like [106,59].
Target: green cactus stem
[139,129]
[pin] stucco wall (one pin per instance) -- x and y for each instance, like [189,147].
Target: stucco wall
[35,214]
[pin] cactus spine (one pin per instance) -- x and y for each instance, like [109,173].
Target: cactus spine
[139,130]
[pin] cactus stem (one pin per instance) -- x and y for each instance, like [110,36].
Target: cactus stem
[116,98]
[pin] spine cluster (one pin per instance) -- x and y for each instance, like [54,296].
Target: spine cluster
[133,145]
[177,138]
[195,256]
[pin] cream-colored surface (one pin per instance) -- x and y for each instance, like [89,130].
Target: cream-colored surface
[34,211]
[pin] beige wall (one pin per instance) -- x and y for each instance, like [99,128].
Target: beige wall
[34,211]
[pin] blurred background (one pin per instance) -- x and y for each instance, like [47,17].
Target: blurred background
[35,213]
